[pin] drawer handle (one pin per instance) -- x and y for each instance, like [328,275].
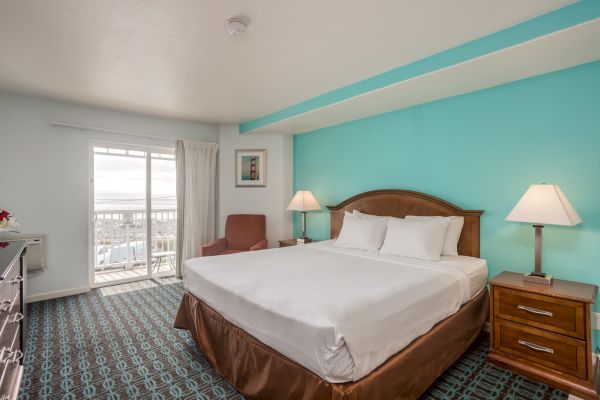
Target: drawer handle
[5,355]
[536,347]
[17,280]
[10,356]
[17,318]
[5,305]
[17,355]
[535,311]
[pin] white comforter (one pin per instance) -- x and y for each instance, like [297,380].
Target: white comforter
[338,312]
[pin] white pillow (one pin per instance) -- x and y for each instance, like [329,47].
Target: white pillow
[371,216]
[416,239]
[359,214]
[361,233]
[452,235]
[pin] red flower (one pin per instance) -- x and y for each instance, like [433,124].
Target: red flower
[4,214]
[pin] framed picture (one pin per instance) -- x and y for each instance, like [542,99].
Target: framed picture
[251,168]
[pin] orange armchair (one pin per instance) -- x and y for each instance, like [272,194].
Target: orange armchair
[243,232]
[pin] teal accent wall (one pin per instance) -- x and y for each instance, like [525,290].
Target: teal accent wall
[564,17]
[480,151]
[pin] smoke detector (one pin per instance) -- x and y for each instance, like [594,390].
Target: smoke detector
[236,25]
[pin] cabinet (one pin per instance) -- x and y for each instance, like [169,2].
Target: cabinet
[12,316]
[544,331]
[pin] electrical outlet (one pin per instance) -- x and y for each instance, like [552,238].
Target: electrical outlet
[597,321]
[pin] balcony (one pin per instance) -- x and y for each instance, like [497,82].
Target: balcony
[120,249]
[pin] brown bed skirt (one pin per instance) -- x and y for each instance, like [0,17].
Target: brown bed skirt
[260,372]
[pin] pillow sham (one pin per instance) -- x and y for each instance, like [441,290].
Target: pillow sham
[452,235]
[362,233]
[415,239]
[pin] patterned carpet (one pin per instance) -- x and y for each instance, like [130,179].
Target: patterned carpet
[118,343]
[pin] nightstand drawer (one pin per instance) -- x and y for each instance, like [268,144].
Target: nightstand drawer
[545,312]
[543,348]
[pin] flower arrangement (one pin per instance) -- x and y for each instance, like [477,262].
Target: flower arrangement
[7,222]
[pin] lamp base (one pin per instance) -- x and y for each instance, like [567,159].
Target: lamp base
[538,277]
[303,240]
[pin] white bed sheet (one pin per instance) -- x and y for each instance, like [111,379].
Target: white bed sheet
[338,312]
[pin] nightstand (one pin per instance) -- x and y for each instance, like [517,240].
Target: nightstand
[544,331]
[290,242]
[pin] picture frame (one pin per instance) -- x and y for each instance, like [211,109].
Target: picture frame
[251,168]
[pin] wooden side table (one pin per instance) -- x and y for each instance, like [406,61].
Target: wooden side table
[544,331]
[291,242]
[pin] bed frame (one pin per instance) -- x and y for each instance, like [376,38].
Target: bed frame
[260,372]
[400,203]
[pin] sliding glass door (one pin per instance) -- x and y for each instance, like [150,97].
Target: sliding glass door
[163,211]
[134,213]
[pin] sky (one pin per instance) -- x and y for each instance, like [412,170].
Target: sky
[120,183]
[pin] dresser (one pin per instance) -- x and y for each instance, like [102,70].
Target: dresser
[544,332]
[12,316]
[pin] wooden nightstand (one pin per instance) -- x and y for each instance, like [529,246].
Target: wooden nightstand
[544,331]
[291,242]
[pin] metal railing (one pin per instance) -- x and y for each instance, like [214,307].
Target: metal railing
[119,238]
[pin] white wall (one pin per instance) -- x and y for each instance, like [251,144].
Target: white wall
[44,174]
[270,200]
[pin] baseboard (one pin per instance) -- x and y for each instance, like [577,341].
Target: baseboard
[55,294]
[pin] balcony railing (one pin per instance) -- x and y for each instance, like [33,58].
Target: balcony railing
[120,238]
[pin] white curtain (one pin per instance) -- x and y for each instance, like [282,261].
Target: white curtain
[196,185]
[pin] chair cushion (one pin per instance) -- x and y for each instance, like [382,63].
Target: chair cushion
[243,231]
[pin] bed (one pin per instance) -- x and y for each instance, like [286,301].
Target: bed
[321,322]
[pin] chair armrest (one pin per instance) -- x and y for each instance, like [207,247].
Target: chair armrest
[261,245]
[213,248]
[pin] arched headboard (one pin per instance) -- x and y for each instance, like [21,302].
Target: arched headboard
[400,203]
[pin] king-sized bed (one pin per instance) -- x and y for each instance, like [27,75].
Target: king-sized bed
[319,321]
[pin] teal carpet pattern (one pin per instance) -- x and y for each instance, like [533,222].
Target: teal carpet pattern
[119,343]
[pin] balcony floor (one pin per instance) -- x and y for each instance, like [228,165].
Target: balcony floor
[136,272]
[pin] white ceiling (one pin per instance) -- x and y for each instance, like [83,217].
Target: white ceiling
[563,49]
[175,58]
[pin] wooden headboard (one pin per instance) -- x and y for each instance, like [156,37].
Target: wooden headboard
[400,203]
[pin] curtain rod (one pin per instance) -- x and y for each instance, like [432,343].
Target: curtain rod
[115,131]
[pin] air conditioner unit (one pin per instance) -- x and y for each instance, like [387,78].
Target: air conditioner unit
[36,249]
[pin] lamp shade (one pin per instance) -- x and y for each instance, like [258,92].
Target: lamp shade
[544,204]
[303,201]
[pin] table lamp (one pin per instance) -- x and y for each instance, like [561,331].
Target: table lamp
[541,205]
[303,201]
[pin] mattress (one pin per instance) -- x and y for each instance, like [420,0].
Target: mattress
[338,312]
